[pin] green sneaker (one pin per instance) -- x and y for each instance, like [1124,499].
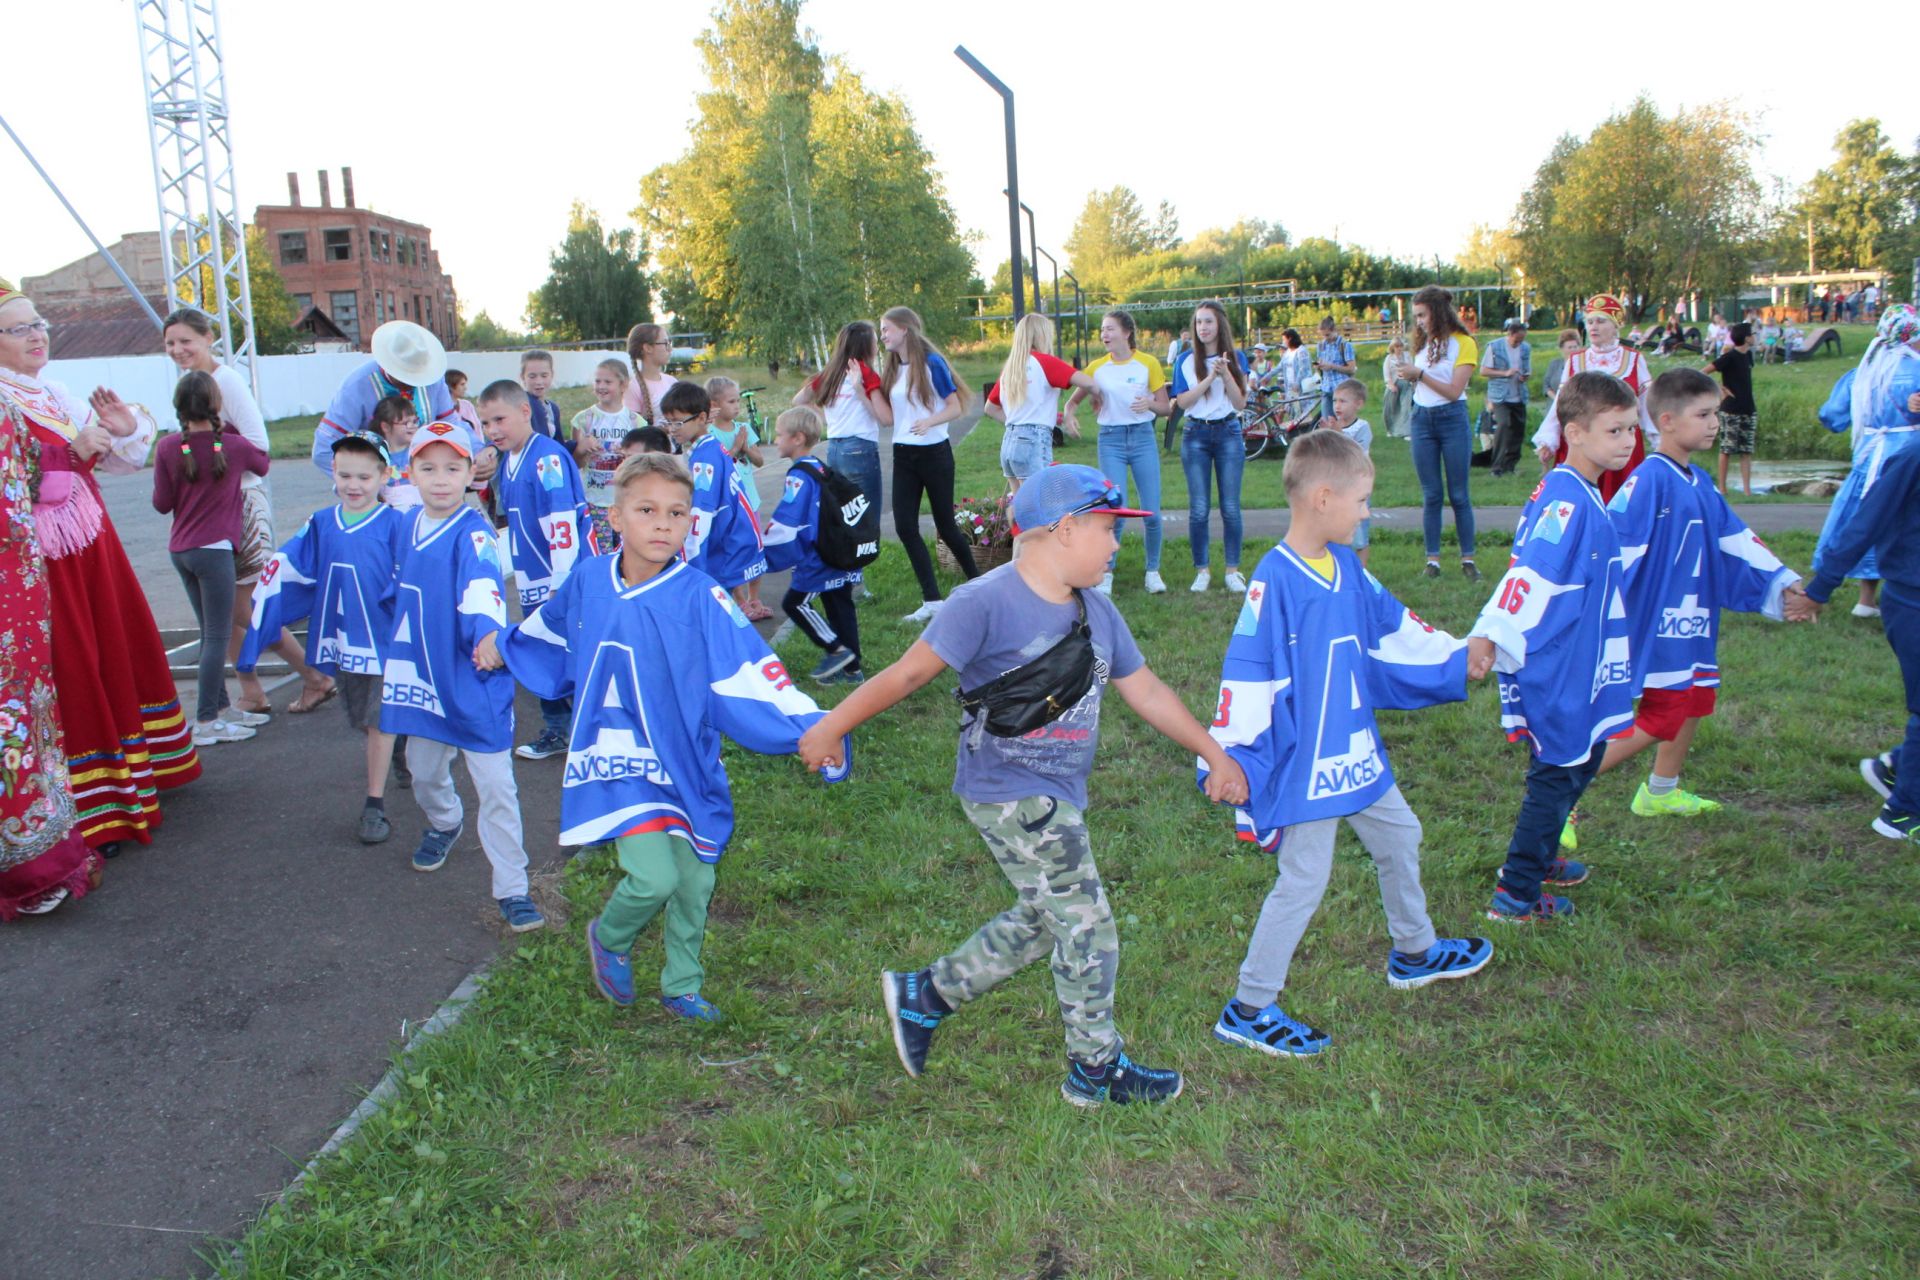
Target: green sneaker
[1569,838]
[1675,804]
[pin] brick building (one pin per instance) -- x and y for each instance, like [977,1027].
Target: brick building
[357,268]
[90,310]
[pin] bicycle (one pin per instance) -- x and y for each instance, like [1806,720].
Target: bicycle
[1277,420]
[752,408]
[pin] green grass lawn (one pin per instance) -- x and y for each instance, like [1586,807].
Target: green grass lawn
[1711,1072]
[1787,396]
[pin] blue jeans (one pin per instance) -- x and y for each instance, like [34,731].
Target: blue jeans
[1443,441]
[1552,791]
[1216,447]
[556,715]
[1133,445]
[1901,621]
[859,461]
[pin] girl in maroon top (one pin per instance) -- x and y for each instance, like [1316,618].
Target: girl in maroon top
[196,478]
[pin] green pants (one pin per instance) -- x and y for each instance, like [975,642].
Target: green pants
[1060,911]
[661,871]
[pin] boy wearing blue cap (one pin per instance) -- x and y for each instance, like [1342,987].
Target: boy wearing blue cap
[1035,646]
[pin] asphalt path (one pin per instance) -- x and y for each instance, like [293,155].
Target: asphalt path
[179,1043]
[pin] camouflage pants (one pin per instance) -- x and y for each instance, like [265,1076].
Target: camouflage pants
[1041,846]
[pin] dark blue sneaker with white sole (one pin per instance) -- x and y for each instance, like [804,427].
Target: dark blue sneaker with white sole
[1270,1031]
[1120,1082]
[1878,772]
[544,747]
[1446,958]
[431,854]
[612,971]
[914,1009]
[520,913]
[834,663]
[1895,825]
[693,1006]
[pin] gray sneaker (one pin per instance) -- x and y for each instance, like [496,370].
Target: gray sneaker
[374,827]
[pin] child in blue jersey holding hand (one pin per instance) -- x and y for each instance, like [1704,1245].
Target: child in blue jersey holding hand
[538,488]
[339,571]
[662,662]
[724,541]
[1319,645]
[449,599]
[792,535]
[1556,631]
[1687,557]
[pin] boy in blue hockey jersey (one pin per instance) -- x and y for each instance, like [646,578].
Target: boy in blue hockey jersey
[724,542]
[1026,793]
[792,531]
[1318,646]
[447,600]
[1687,557]
[1556,630]
[662,662]
[339,571]
[538,489]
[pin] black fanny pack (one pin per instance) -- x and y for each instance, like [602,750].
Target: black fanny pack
[1036,692]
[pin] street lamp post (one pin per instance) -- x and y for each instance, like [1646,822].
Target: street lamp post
[1013,175]
[1033,251]
[1079,319]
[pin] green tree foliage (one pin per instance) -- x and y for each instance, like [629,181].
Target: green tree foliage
[596,284]
[804,199]
[484,333]
[1647,206]
[1112,229]
[273,331]
[1861,207]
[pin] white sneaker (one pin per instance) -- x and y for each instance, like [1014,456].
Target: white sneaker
[1156,585]
[248,719]
[925,612]
[1235,583]
[1106,586]
[212,731]
[1202,580]
[1865,611]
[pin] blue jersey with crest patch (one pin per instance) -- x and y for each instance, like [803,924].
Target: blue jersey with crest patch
[341,577]
[1309,662]
[724,542]
[1558,621]
[1686,556]
[657,673]
[447,598]
[546,508]
[794,528]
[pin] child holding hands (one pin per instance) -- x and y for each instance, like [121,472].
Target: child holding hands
[1026,792]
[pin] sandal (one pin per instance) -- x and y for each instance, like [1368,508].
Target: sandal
[306,702]
[264,707]
[757,611]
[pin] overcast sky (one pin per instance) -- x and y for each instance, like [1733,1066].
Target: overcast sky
[486,120]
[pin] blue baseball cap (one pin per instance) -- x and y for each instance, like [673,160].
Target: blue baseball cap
[1067,489]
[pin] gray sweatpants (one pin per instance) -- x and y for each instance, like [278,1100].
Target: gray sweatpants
[1391,834]
[492,774]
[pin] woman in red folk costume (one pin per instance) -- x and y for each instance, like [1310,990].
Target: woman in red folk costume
[125,737]
[1605,353]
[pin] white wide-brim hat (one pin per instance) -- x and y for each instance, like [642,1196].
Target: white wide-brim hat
[409,353]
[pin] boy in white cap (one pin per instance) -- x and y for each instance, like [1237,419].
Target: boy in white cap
[1036,623]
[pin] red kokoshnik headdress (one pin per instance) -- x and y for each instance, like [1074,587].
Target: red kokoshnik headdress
[1609,306]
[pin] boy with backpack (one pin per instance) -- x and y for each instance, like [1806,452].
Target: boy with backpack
[794,541]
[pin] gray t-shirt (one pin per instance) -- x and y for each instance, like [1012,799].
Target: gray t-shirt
[986,629]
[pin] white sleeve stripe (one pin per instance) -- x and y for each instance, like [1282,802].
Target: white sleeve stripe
[779,534]
[536,628]
[750,682]
[1249,706]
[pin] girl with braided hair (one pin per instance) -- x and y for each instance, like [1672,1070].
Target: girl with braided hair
[196,479]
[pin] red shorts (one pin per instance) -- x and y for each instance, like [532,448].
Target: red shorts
[1662,711]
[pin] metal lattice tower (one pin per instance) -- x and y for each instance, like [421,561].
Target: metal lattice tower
[202,237]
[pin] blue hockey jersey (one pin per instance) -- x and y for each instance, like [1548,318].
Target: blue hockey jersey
[1558,620]
[657,673]
[447,599]
[724,542]
[339,575]
[794,527]
[1686,556]
[546,508]
[1308,663]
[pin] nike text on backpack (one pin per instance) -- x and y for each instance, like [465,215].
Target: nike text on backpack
[848,536]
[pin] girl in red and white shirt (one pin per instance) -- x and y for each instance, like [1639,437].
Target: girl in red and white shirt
[856,406]
[1027,399]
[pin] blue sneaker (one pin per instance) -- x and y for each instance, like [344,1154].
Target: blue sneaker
[1895,825]
[434,845]
[612,972]
[1270,1031]
[520,914]
[834,663]
[914,1009]
[1510,909]
[1879,773]
[693,1007]
[1446,958]
[1565,872]
[1120,1082]
[544,747]
[846,677]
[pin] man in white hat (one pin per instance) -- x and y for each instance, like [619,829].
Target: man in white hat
[407,361]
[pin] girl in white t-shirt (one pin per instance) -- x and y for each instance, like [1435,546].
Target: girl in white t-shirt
[1027,399]
[1211,385]
[926,395]
[1444,358]
[598,430]
[856,406]
[1132,393]
[649,347]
